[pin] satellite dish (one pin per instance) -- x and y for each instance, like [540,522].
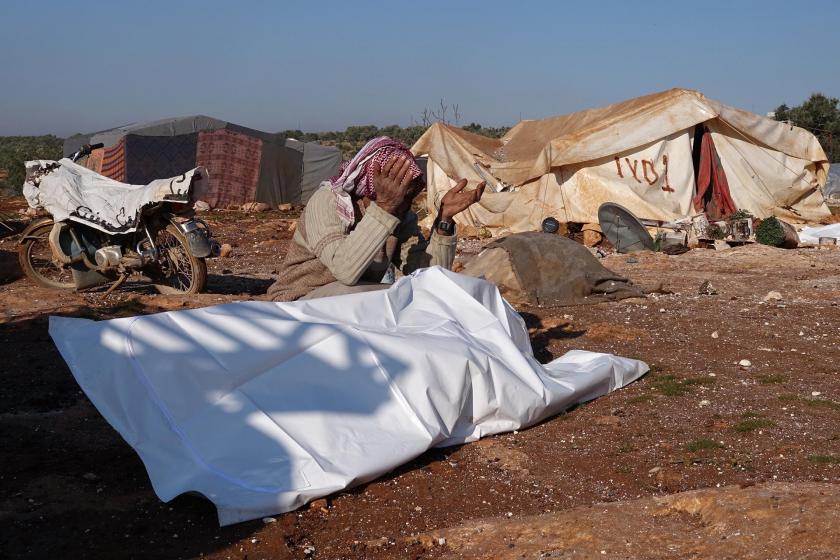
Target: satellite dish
[623,229]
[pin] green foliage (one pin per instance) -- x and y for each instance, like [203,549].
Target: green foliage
[821,116]
[825,459]
[492,132]
[659,240]
[15,150]
[670,386]
[699,444]
[771,378]
[353,138]
[811,403]
[700,381]
[821,403]
[770,232]
[752,424]
[741,214]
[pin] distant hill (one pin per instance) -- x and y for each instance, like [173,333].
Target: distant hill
[351,139]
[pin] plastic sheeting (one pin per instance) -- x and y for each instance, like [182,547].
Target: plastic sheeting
[73,192]
[811,235]
[263,406]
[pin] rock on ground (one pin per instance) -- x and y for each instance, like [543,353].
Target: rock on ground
[255,207]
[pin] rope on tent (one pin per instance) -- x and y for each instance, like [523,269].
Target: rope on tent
[563,193]
[540,202]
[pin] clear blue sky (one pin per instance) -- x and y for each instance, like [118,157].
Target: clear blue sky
[81,66]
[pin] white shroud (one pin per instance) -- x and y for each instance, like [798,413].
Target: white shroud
[264,406]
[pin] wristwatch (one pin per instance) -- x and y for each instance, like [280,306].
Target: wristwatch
[446,227]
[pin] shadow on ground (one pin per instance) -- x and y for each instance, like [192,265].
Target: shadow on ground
[542,335]
[232,284]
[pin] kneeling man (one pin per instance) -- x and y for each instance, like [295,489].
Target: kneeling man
[358,227]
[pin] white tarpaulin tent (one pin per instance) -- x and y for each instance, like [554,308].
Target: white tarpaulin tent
[638,153]
[811,235]
[263,406]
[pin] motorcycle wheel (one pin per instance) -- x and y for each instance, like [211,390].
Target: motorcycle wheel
[36,260]
[177,270]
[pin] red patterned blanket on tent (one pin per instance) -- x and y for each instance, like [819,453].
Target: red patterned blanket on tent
[233,162]
[113,162]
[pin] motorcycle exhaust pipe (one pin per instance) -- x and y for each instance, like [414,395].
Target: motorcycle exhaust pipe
[197,239]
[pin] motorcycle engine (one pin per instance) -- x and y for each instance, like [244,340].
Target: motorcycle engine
[109,256]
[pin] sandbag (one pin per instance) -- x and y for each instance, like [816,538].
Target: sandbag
[538,268]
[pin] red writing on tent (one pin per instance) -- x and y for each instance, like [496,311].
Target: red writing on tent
[647,170]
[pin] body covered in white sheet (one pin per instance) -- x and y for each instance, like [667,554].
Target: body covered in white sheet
[263,406]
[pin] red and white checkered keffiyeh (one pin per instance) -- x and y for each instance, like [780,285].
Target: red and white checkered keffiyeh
[355,177]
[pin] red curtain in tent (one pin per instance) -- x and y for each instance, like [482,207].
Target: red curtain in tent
[713,194]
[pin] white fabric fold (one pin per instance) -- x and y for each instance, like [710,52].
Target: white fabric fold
[73,192]
[811,235]
[262,407]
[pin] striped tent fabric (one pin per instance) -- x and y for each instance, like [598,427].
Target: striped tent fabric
[113,161]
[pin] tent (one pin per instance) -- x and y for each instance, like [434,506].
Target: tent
[832,186]
[644,154]
[245,165]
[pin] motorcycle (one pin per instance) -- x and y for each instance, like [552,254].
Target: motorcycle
[164,242]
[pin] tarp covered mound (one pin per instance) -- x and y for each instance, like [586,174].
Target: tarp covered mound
[263,406]
[245,165]
[546,269]
[639,153]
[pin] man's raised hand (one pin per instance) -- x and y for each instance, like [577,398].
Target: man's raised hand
[457,199]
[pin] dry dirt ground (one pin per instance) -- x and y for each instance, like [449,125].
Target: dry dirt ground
[763,439]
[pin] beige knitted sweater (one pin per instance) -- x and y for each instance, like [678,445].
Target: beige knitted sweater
[325,250]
